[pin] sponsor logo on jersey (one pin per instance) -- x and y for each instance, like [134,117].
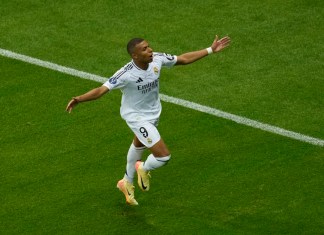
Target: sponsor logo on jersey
[148,86]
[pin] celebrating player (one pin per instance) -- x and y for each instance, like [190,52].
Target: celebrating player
[141,107]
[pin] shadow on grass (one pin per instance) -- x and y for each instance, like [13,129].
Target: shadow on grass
[135,219]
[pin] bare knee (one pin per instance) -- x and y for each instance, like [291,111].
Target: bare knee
[160,149]
[137,143]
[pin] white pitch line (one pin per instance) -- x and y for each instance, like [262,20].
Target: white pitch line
[170,99]
[243,120]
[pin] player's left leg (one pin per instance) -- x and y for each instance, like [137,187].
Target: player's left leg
[159,157]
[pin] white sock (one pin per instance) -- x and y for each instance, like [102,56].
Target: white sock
[134,154]
[152,162]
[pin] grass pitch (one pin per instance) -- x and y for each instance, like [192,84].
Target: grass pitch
[59,171]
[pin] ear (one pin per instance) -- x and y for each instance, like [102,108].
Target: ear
[134,56]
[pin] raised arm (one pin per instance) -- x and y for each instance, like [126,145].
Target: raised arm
[190,57]
[90,95]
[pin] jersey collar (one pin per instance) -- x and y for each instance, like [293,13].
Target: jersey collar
[139,67]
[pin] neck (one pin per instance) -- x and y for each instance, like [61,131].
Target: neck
[143,66]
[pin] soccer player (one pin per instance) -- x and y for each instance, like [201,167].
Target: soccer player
[141,107]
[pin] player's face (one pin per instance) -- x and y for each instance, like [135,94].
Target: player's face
[143,52]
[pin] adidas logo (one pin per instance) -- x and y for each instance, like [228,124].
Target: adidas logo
[139,80]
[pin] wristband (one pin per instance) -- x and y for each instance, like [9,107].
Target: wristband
[209,50]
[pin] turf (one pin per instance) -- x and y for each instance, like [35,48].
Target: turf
[59,171]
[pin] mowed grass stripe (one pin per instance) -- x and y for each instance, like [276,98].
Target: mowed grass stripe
[170,99]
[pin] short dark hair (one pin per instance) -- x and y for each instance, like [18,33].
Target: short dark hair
[132,43]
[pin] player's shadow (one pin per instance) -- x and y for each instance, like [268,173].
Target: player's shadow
[136,218]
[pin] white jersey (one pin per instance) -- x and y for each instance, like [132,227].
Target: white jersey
[140,88]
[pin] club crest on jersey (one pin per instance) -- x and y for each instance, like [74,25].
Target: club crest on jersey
[156,70]
[149,140]
[113,80]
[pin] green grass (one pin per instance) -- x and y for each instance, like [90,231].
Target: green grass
[59,171]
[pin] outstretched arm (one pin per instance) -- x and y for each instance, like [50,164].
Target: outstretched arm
[193,56]
[90,95]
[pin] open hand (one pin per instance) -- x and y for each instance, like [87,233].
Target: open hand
[220,44]
[71,105]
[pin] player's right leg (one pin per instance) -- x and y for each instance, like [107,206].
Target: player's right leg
[125,185]
[127,189]
[134,154]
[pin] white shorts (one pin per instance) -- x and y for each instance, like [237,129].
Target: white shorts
[146,132]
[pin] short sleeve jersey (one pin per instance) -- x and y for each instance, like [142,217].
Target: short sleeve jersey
[140,88]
